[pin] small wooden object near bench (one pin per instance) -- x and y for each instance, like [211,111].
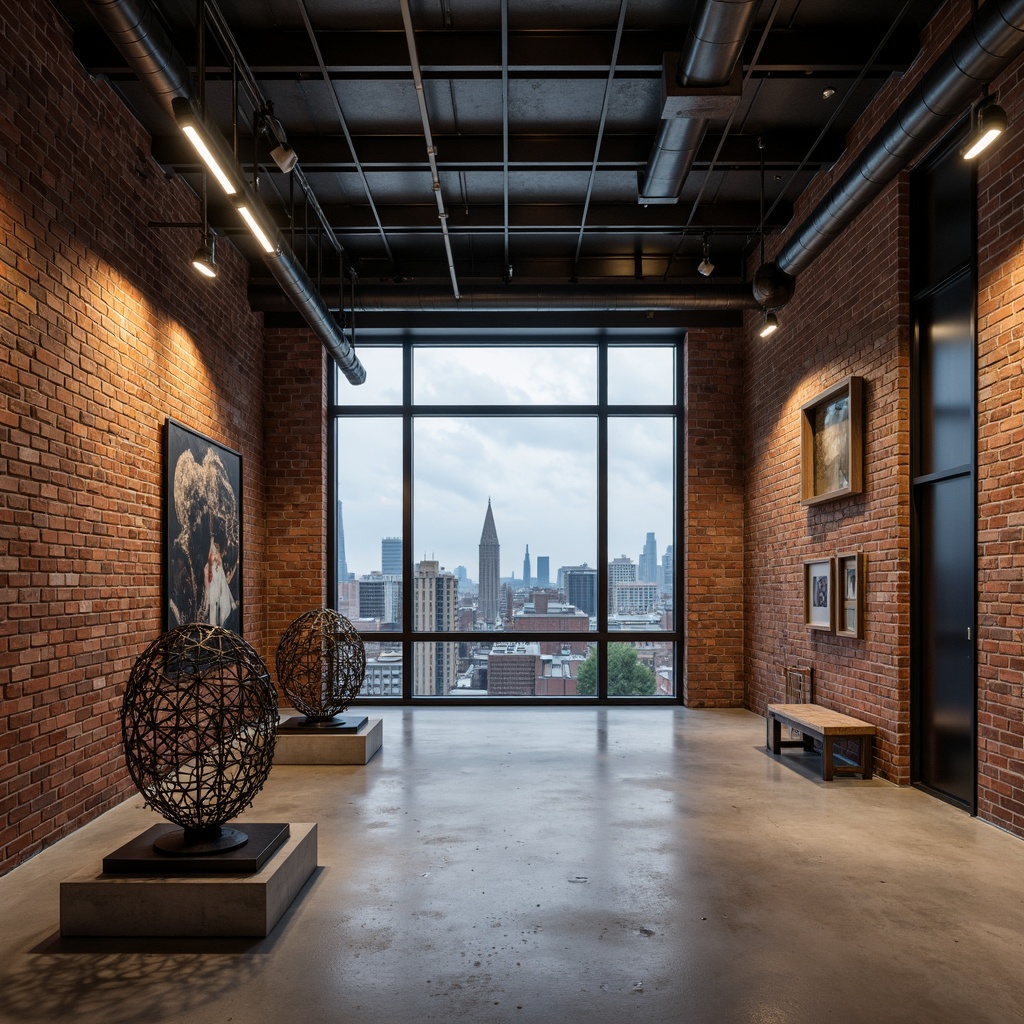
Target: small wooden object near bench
[820,723]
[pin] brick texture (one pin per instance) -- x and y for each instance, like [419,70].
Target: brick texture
[104,333]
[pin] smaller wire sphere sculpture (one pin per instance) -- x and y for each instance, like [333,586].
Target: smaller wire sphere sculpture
[199,725]
[321,663]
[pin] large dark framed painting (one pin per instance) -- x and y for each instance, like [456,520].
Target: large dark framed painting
[202,530]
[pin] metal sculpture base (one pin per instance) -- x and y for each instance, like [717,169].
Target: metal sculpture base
[147,854]
[336,723]
[198,842]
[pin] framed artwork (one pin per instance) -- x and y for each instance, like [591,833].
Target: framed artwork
[819,604]
[850,601]
[832,443]
[202,530]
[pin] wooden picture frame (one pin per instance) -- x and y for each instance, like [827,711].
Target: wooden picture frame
[850,594]
[819,594]
[202,530]
[832,443]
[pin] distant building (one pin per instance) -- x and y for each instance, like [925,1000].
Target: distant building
[380,597]
[648,567]
[391,556]
[435,609]
[543,571]
[383,676]
[621,570]
[632,598]
[512,670]
[667,569]
[342,561]
[545,615]
[580,585]
[490,571]
[526,568]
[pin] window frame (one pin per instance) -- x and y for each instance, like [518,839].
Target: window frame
[601,637]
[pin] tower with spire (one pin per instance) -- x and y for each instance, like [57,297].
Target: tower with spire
[490,570]
[526,568]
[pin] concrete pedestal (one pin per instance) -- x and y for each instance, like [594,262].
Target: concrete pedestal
[94,903]
[330,748]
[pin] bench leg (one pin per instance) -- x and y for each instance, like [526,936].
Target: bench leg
[776,729]
[827,767]
[867,756]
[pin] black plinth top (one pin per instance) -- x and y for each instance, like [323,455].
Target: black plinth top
[340,723]
[140,857]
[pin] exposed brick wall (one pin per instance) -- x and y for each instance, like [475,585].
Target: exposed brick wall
[712,669]
[296,453]
[1000,647]
[104,333]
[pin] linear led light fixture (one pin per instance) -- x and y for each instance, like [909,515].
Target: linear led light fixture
[989,124]
[256,228]
[198,134]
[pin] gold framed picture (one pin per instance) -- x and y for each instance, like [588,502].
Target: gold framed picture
[832,443]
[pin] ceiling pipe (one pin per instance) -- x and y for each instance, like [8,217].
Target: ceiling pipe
[714,44]
[134,29]
[983,50]
[534,298]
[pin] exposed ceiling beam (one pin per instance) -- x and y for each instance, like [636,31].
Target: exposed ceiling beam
[323,153]
[286,55]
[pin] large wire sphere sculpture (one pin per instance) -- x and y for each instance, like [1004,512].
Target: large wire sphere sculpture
[321,663]
[199,725]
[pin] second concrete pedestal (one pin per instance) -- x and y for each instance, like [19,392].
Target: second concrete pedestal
[312,747]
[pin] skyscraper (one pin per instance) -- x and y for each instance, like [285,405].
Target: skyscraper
[435,608]
[391,556]
[648,569]
[543,571]
[490,571]
[342,561]
[580,587]
[526,568]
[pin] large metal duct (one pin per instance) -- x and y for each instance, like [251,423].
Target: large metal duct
[992,40]
[533,298]
[134,29]
[714,42]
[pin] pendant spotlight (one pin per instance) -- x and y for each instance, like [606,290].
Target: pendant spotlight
[989,123]
[706,267]
[204,260]
[282,153]
[769,326]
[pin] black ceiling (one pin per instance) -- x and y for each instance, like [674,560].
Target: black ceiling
[541,142]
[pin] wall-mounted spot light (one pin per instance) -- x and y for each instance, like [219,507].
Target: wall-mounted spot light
[257,230]
[828,92]
[989,124]
[770,325]
[204,260]
[706,267]
[196,133]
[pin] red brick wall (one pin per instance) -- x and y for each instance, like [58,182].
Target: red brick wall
[296,453]
[1001,470]
[103,334]
[712,662]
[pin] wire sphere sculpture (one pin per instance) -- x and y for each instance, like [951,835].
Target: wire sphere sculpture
[321,663]
[199,726]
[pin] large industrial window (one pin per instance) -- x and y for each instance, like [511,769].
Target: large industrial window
[505,518]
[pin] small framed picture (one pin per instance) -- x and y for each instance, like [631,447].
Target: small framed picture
[850,605]
[819,603]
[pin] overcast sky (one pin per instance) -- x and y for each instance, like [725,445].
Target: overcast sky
[540,472]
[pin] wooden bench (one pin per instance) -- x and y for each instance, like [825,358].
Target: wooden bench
[820,723]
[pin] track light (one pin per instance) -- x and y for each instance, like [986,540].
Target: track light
[257,229]
[204,260]
[989,123]
[196,133]
[770,325]
[706,267]
[282,153]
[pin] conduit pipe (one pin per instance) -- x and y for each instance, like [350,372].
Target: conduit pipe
[987,45]
[714,43]
[533,298]
[133,28]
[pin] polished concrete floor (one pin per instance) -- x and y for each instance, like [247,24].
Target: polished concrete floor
[567,865]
